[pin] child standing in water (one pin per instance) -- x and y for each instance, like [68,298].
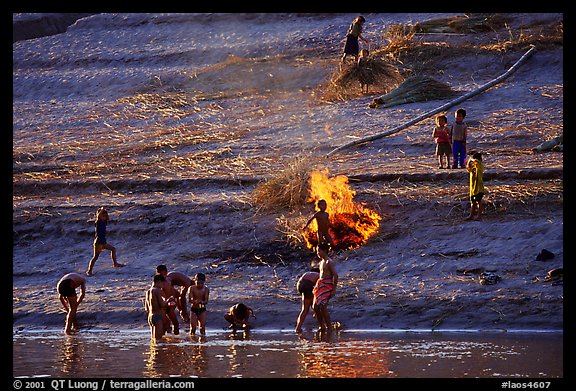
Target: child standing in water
[155,306]
[323,222]
[441,135]
[198,297]
[325,288]
[100,242]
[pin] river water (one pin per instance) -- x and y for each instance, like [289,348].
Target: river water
[272,354]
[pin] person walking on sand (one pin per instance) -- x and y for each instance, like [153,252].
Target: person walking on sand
[323,222]
[441,135]
[476,169]
[459,132]
[156,306]
[352,47]
[100,242]
[66,288]
[304,286]
[325,288]
[239,315]
[198,295]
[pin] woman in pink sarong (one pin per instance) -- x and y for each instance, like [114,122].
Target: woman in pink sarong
[325,287]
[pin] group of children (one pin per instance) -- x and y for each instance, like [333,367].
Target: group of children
[316,286]
[451,141]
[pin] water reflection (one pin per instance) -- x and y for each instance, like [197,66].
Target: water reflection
[309,354]
[71,355]
[327,356]
[176,357]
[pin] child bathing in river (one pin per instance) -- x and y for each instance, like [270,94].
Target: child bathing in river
[156,306]
[304,286]
[325,288]
[198,297]
[238,316]
[70,301]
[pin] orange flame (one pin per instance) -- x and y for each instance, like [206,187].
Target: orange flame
[351,223]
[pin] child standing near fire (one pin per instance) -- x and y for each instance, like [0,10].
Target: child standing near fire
[441,135]
[323,221]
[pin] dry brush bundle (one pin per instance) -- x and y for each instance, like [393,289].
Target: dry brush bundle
[414,89]
[289,188]
[374,71]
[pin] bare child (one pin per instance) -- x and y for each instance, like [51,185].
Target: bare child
[323,222]
[441,135]
[177,279]
[198,294]
[239,315]
[304,286]
[156,305]
[100,242]
[67,294]
[170,293]
[325,287]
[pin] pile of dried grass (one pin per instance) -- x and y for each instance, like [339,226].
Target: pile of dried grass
[288,188]
[414,89]
[375,71]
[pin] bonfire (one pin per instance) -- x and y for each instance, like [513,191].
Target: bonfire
[351,222]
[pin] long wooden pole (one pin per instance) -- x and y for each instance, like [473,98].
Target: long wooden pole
[444,107]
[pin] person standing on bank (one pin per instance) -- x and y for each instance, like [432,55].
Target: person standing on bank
[352,46]
[459,133]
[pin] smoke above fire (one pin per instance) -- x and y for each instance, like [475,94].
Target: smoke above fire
[351,222]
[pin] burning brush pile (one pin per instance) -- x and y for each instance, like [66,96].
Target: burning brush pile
[351,222]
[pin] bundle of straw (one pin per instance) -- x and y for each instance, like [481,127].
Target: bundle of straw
[288,187]
[414,89]
[373,71]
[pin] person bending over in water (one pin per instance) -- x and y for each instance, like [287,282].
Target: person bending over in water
[238,316]
[67,294]
[305,285]
[177,279]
